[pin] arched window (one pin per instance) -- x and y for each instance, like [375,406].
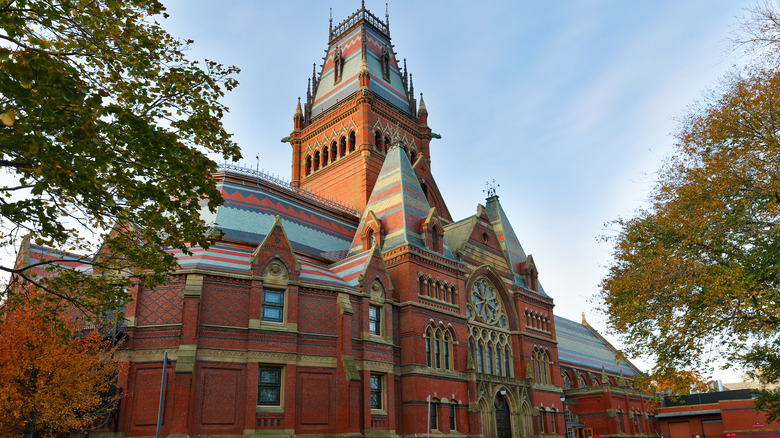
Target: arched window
[387,143]
[343,147]
[489,357]
[507,370]
[351,141]
[438,347]
[489,328]
[566,382]
[325,156]
[428,347]
[308,164]
[412,156]
[581,381]
[333,151]
[437,350]
[498,361]
[435,238]
[316,160]
[378,141]
[447,346]
[480,358]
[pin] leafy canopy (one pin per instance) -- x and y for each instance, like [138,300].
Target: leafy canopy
[695,276]
[105,127]
[51,381]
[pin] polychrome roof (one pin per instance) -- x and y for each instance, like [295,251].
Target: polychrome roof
[509,242]
[351,44]
[399,204]
[248,214]
[578,345]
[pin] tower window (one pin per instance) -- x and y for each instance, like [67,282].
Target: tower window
[308,164]
[325,157]
[333,152]
[316,160]
[384,60]
[352,141]
[338,65]
[343,147]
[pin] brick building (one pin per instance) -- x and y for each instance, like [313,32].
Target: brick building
[348,301]
[715,414]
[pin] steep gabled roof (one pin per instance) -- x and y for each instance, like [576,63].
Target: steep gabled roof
[580,345]
[509,242]
[361,33]
[399,204]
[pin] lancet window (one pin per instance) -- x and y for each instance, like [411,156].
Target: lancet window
[438,348]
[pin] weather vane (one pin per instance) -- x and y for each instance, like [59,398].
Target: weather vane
[490,188]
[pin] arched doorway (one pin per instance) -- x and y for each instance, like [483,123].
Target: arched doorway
[503,420]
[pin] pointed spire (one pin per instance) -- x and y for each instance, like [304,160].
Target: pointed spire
[314,76]
[298,117]
[584,322]
[423,111]
[330,26]
[387,19]
[298,111]
[406,74]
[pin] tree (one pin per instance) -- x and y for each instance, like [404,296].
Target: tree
[51,381]
[695,276]
[105,135]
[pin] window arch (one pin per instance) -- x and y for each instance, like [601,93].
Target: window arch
[351,141]
[438,348]
[566,381]
[325,156]
[316,160]
[541,361]
[378,141]
[343,146]
[488,328]
[308,164]
[333,151]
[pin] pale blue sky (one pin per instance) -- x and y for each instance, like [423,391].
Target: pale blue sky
[568,105]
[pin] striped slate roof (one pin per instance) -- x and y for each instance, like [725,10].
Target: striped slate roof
[509,242]
[248,214]
[218,257]
[579,345]
[41,254]
[399,204]
[329,93]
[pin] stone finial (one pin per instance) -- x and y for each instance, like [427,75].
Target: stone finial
[584,322]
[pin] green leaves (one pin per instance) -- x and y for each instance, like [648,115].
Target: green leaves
[106,128]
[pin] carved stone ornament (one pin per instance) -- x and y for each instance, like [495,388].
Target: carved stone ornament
[377,291]
[275,272]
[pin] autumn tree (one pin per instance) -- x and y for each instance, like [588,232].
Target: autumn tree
[51,379]
[695,275]
[105,135]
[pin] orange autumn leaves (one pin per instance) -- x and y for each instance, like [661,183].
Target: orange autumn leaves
[51,380]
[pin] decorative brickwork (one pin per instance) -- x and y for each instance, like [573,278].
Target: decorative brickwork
[162,305]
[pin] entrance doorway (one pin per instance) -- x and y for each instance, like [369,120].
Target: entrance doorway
[503,421]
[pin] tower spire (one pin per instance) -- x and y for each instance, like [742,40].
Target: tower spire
[330,25]
[387,19]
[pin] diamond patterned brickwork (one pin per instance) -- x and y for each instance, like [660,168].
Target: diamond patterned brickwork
[225,301]
[162,305]
[317,313]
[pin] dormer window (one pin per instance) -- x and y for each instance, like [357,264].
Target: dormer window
[338,65]
[384,60]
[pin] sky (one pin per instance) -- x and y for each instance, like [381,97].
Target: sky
[570,106]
